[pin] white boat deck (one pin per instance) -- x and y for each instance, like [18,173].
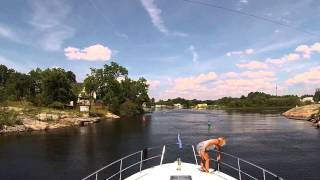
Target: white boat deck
[166,171]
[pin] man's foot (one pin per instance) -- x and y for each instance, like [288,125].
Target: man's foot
[202,169]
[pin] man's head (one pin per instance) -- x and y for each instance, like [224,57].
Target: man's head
[222,141]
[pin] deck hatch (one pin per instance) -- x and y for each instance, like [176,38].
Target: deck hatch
[180,178]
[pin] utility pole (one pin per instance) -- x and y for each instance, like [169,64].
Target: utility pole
[276,90]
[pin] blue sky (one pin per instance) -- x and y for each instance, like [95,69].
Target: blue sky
[183,49]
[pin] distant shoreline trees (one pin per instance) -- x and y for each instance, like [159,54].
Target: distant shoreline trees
[252,100]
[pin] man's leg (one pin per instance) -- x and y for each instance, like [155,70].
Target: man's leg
[207,161]
[202,162]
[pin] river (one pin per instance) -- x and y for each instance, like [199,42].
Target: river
[289,148]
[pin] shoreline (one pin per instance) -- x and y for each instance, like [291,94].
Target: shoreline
[306,113]
[51,120]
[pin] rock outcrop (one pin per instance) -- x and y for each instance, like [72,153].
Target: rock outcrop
[303,113]
[47,121]
[111,116]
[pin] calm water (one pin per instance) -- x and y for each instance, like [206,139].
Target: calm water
[288,148]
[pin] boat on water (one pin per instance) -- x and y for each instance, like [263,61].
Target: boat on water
[149,164]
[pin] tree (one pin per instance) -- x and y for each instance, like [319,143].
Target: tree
[19,86]
[316,96]
[56,86]
[4,74]
[117,90]
[91,85]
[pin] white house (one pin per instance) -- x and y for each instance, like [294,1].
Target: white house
[201,106]
[178,106]
[305,99]
[83,97]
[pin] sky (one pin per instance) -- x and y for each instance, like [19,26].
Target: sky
[184,49]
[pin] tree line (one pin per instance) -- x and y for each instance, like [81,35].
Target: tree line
[56,87]
[253,99]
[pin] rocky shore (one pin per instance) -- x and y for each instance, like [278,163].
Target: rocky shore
[308,112]
[47,121]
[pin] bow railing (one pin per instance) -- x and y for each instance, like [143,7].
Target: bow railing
[140,160]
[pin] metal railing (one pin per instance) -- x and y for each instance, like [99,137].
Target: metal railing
[121,169]
[241,173]
[240,162]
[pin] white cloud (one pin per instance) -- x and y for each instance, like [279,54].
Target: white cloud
[276,61]
[244,1]
[240,53]
[96,52]
[308,50]
[153,84]
[48,19]
[305,50]
[258,74]
[193,82]
[285,59]
[253,65]
[194,53]
[156,19]
[229,75]
[155,15]
[309,77]
[6,32]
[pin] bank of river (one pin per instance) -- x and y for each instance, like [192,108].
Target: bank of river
[308,112]
[55,119]
[287,148]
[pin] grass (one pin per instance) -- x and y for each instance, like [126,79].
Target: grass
[9,118]
[29,109]
[98,111]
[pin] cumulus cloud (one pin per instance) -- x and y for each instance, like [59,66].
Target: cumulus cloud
[229,75]
[285,59]
[309,77]
[153,84]
[240,53]
[253,65]
[193,82]
[223,87]
[257,74]
[194,53]
[96,52]
[308,50]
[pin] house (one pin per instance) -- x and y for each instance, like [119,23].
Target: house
[83,97]
[202,106]
[178,106]
[307,99]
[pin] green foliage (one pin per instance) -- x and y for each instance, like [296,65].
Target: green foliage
[9,118]
[56,86]
[129,108]
[56,105]
[120,93]
[3,95]
[19,86]
[316,96]
[40,87]
[253,100]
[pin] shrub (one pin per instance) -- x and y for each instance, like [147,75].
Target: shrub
[128,108]
[57,105]
[9,118]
